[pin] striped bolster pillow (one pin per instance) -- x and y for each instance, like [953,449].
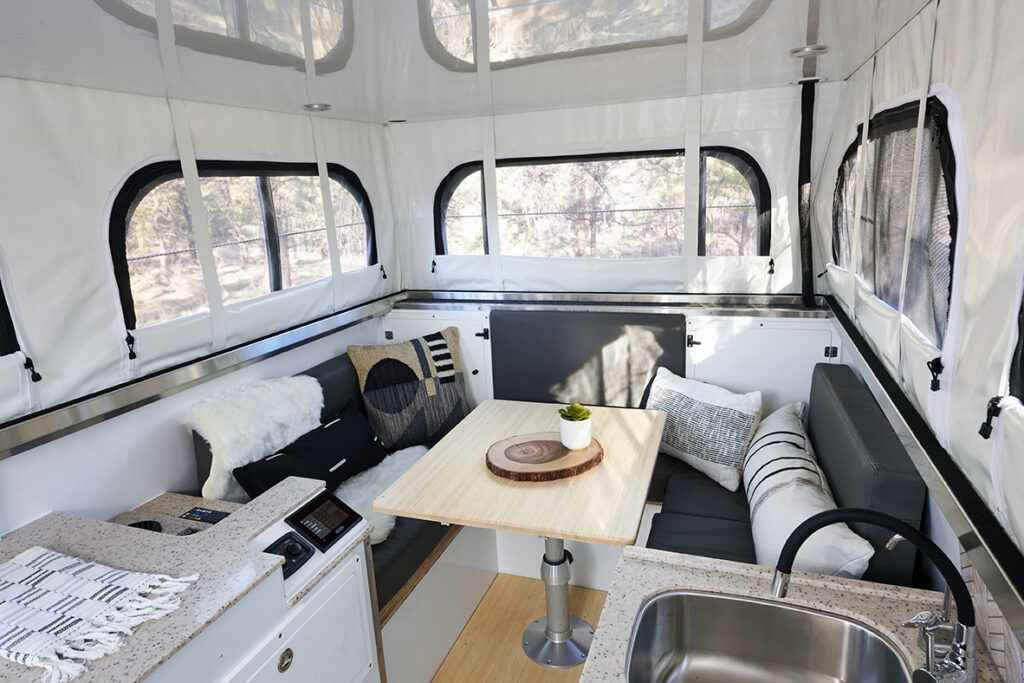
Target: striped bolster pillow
[785,486]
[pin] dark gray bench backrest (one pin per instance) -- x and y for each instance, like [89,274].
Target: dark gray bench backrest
[340,383]
[866,465]
[590,357]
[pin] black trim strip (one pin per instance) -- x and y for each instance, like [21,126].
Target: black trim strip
[8,336]
[751,453]
[140,183]
[802,458]
[1004,553]
[804,183]
[780,471]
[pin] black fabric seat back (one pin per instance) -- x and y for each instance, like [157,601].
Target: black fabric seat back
[594,358]
[340,384]
[866,465]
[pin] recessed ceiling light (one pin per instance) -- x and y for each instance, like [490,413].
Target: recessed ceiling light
[808,51]
[317,106]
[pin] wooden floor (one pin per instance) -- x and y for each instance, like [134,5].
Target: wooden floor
[491,649]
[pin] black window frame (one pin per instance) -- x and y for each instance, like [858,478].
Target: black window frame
[8,336]
[743,162]
[240,48]
[142,181]
[903,118]
[758,182]
[440,54]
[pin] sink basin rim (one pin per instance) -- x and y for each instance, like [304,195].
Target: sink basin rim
[654,597]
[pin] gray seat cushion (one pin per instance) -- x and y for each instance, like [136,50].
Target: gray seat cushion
[724,539]
[689,492]
[664,467]
[865,464]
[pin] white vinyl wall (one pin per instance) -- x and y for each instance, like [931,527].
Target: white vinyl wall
[968,56]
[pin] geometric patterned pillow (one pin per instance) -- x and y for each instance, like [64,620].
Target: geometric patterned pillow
[414,391]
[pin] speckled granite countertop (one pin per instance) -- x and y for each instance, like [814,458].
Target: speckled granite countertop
[642,573]
[227,569]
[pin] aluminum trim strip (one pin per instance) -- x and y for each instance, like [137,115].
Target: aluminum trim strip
[988,566]
[35,430]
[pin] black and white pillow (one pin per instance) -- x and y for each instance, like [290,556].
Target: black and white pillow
[708,427]
[785,486]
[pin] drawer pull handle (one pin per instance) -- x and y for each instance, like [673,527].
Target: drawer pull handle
[285,662]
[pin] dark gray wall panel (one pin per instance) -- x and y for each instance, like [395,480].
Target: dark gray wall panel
[591,357]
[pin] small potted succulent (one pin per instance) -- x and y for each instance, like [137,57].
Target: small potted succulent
[575,426]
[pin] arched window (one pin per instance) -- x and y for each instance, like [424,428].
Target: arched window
[618,205]
[526,31]
[735,217]
[889,160]
[259,31]
[266,227]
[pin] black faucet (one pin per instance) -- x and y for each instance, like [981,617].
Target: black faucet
[960,663]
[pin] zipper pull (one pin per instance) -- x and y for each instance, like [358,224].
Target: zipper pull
[771,266]
[383,273]
[30,366]
[433,266]
[935,366]
[990,414]
[130,341]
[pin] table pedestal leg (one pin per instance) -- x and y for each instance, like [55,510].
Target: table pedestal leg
[557,640]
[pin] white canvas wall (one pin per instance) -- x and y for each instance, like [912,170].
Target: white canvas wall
[972,69]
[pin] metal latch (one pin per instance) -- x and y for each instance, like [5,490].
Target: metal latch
[486,334]
[831,352]
[691,342]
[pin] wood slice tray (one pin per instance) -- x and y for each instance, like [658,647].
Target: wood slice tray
[540,457]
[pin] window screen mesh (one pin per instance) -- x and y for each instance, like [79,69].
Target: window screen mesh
[891,167]
[600,208]
[930,266]
[889,159]
[844,208]
[267,232]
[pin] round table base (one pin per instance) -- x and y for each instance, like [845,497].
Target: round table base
[554,655]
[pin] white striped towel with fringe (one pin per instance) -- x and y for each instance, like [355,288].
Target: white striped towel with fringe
[60,613]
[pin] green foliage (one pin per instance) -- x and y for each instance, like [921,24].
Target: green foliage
[574,412]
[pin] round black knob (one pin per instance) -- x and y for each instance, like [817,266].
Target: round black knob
[293,548]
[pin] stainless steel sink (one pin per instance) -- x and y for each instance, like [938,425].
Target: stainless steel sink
[689,636]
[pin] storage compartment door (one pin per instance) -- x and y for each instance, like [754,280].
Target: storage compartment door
[336,643]
[772,355]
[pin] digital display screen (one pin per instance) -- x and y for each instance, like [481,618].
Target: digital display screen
[323,520]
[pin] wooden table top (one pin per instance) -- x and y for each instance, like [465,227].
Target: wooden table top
[451,483]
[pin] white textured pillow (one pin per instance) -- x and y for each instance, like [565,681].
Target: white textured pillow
[708,427]
[785,486]
[250,422]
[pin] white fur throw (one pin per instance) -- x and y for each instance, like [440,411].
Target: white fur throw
[360,491]
[250,422]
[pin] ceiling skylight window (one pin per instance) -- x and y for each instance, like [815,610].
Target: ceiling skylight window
[263,31]
[525,31]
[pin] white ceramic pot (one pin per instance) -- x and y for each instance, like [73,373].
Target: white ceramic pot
[575,434]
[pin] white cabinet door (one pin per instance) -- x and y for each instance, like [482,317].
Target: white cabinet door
[772,355]
[335,642]
[474,342]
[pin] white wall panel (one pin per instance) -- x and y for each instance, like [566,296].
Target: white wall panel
[118,464]
[74,147]
[775,356]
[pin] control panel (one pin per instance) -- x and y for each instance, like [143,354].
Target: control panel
[323,520]
[293,549]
